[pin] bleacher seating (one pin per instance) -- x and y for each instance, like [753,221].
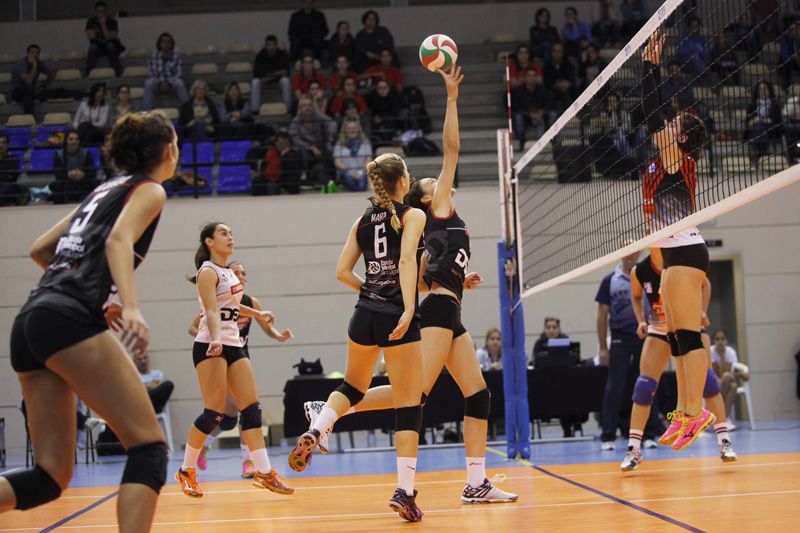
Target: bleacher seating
[233,180]
[204,150]
[42,160]
[233,151]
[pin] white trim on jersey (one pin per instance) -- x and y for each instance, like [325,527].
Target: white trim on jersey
[229,296]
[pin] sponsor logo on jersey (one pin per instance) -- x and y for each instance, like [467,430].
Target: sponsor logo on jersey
[648,287]
[651,169]
[373,267]
[235,289]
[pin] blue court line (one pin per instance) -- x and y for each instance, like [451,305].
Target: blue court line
[76,514]
[620,501]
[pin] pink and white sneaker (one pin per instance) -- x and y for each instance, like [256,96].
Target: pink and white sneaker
[248,469]
[694,426]
[202,460]
[674,429]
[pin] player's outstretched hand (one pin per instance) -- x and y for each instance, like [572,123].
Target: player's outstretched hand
[136,334]
[402,326]
[652,51]
[472,280]
[452,79]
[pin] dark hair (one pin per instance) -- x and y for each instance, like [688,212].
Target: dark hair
[67,134]
[93,92]
[367,14]
[123,86]
[203,254]
[385,172]
[271,37]
[415,194]
[754,91]
[283,135]
[570,8]
[339,24]
[137,141]
[695,19]
[696,135]
[4,135]
[228,88]
[540,11]
[348,102]
[516,54]
[314,81]
[673,63]
[33,46]
[100,3]
[717,332]
[552,319]
[165,34]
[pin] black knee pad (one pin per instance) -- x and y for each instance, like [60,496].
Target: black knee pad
[688,340]
[478,405]
[251,416]
[673,344]
[228,422]
[147,465]
[423,400]
[352,393]
[208,421]
[408,418]
[33,487]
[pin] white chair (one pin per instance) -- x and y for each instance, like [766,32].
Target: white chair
[166,424]
[742,372]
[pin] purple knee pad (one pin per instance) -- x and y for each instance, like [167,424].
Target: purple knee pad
[644,391]
[711,387]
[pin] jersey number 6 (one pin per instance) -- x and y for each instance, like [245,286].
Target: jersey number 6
[381,244]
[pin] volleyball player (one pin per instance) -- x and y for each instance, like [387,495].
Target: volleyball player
[445,341]
[222,365]
[60,343]
[389,236]
[231,413]
[669,190]
[646,282]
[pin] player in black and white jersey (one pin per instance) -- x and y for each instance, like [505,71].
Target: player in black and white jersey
[61,346]
[445,341]
[221,364]
[231,412]
[389,236]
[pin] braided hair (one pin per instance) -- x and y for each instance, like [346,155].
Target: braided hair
[385,172]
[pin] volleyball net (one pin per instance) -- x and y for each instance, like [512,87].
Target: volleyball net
[575,200]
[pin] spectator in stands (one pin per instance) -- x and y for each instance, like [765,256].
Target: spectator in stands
[341,71]
[351,109]
[722,359]
[490,356]
[559,78]
[417,117]
[543,35]
[576,33]
[745,36]
[351,155]
[106,164]
[790,53]
[317,96]
[693,48]
[308,30]
[591,66]
[9,172]
[634,14]
[303,77]
[198,116]
[165,68]
[75,171]
[235,114]
[271,66]
[552,330]
[25,76]
[312,134]
[676,85]
[723,60]
[531,107]
[122,104]
[607,26]
[347,90]
[763,120]
[281,169]
[341,43]
[158,388]
[370,41]
[520,64]
[102,31]
[385,70]
[91,118]
[387,114]
[631,142]
[611,153]
[791,128]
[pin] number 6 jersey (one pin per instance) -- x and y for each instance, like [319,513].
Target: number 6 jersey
[229,296]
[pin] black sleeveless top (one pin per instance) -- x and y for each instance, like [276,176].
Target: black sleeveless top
[380,244]
[79,270]
[448,251]
[650,281]
[244,322]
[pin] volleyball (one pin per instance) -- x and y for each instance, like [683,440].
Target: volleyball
[438,51]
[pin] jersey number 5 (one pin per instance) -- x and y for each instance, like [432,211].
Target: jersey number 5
[80,223]
[381,244]
[462,259]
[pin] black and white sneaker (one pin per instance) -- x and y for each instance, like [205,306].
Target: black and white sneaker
[726,452]
[632,460]
[406,506]
[487,493]
[300,457]
[312,410]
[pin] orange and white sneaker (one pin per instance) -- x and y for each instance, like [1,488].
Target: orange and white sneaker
[674,430]
[272,481]
[300,457]
[694,426]
[187,479]
[248,469]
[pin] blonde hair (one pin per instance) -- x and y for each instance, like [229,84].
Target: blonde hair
[385,172]
[489,333]
[196,85]
[361,133]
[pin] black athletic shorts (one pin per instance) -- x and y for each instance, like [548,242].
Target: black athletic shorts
[692,255]
[441,311]
[41,331]
[373,329]
[658,336]
[231,354]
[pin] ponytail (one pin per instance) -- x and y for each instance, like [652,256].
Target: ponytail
[381,196]
[203,254]
[384,172]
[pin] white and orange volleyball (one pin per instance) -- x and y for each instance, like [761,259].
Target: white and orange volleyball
[438,51]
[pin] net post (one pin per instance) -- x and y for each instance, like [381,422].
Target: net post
[512,320]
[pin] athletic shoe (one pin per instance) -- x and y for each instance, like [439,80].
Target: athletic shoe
[90,423]
[486,493]
[188,482]
[406,505]
[726,452]
[272,481]
[695,425]
[248,469]
[202,460]
[632,460]
[731,426]
[649,444]
[675,428]
[607,446]
[300,457]
[312,410]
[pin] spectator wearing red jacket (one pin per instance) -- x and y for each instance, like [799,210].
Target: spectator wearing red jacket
[347,90]
[342,70]
[520,64]
[281,168]
[303,77]
[385,70]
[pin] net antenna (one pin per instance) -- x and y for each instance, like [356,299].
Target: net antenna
[579,222]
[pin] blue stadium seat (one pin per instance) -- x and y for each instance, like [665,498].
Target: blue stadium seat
[42,160]
[95,151]
[234,151]
[18,137]
[203,172]
[205,153]
[45,132]
[19,154]
[233,180]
